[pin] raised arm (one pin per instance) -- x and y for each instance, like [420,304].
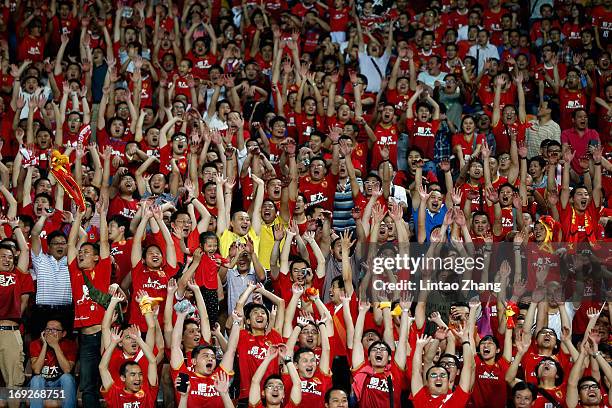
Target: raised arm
[255,389]
[358,356]
[105,375]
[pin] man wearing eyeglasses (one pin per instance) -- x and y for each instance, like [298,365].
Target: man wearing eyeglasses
[53,357]
[435,391]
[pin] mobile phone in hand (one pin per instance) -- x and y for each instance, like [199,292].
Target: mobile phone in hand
[184,382]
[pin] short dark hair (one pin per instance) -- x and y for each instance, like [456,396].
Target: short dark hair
[436,366]
[121,221]
[300,351]
[54,235]
[198,349]
[378,343]
[124,366]
[94,247]
[560,373]
[329,392]
[272,377]
[522,385]
[586,378]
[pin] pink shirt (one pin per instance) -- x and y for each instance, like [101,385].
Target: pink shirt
[580,144]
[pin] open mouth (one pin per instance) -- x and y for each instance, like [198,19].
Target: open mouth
[259,319]
[209,366]
[309,370]
[486,350]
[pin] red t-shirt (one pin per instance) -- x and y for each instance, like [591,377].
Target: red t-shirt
[502,137]
[282,285]
[423,135]
[121,206]
[578,227]
[531,359]
[372,389]
[155,283]
[51,369]
[251,351]
[207,271]
[201,64]
[165,158]
[193,241]
[13,284]
[558,393]
[490,385]
[305,126]
[313,389]
[468,147]
[122,254]
[338,341]
[569,101]
[321,192]
[288,404]
[86,311]
[119,357]
[539,258]
[601,19]
[117,397]
[507,220]
[385,135]
[455,399]
[339,18]
[202,392]
[31,48]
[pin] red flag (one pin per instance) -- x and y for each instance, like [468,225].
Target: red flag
[60,169]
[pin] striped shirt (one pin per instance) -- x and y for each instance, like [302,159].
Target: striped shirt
[343,204]
[237,283]
[536,133]
[52,280]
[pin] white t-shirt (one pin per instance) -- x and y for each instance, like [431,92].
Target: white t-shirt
[368,67]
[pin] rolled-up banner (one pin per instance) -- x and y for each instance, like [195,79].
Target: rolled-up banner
[60,168]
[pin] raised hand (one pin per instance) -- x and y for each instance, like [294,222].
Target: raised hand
[568,156]
[459,217]
[222,382]
[423,194]
[492,195]
[116,335]
[422,340]
[449,217]
[457,196]
[309,237]
[364,306]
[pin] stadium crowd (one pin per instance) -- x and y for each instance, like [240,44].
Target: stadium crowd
[193,196]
